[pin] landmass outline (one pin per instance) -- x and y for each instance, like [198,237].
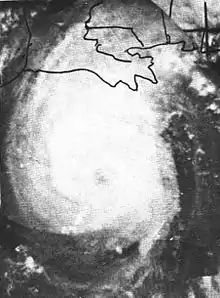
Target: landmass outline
[205,31]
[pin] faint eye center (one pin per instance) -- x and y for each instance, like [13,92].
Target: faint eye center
[101,178]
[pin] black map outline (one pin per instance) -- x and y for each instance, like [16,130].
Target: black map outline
[206,31]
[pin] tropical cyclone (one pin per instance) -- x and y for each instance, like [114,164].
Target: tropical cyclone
[75,124]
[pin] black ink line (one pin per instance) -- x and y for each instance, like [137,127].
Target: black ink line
[183,49]
[26,52]
[202,43]
[171,7]
[206,30]
[165,28]
[88,28]
[132,30]
[107,54]
[162,44]
[154,81]
[136,48]
[114,27]
[97,45]
[210,30]
[205,36]
[203,30]
[93,72]
[74,70]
